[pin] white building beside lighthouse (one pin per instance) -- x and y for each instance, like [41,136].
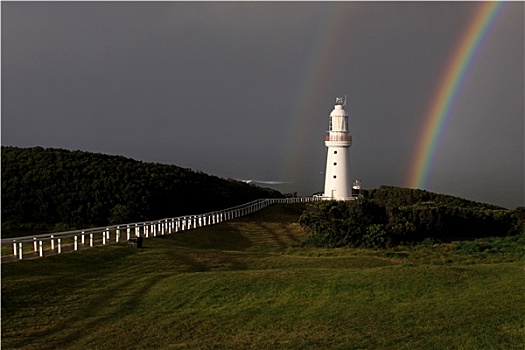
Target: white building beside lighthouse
[337,184]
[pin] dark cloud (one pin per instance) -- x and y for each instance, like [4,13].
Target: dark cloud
[213,86]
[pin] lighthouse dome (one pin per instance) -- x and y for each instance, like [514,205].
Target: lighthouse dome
[338,119]
[338,112]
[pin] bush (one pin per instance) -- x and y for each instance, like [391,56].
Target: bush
[374,237]
[390,216]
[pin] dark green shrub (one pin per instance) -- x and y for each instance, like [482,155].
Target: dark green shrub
[375,237]
[390,216]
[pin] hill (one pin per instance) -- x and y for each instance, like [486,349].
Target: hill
[244,284]
[389,216]
[50,188]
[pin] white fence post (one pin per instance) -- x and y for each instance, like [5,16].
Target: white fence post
[35,248]
[15,248]
[59,245]
[91,239]
[20,250]
[52,242]
[76,242]
[117,234]
[41,248]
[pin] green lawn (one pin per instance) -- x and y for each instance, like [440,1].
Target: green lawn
[243,285]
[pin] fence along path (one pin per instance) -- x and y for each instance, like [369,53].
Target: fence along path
[34,246]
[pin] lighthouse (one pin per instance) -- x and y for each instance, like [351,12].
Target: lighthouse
[337,184]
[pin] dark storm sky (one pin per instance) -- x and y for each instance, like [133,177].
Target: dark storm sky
[244,89]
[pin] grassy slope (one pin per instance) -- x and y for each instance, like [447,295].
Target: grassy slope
[239,285]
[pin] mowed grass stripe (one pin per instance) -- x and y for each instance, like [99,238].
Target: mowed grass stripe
[239,285]
[356,307]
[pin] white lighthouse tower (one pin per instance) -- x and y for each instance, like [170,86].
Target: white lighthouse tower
[337,184]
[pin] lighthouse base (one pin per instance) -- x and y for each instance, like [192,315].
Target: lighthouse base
[338,199]
[337,176]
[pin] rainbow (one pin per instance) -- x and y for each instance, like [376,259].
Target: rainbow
[448,90]
[323,50]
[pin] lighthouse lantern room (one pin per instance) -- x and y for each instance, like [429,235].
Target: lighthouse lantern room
[337,184]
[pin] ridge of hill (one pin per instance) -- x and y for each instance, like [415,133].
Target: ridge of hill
[51,188]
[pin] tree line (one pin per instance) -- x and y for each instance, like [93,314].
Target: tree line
[390,216]
[49,188]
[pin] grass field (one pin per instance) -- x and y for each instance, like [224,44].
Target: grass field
[245,284]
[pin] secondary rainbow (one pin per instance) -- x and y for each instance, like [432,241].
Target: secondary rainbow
[448,90]
[323,50]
